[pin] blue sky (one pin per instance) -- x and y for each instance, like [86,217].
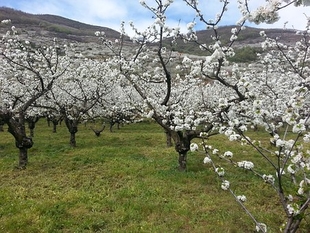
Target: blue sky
[110,13]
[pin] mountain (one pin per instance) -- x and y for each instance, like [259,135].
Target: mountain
[43,26]
[53,26]
[250,37]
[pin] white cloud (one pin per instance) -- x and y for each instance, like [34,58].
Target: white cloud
[102,9]
[39,7]
[110,13]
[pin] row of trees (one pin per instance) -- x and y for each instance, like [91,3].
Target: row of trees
[54,81]
[189,98]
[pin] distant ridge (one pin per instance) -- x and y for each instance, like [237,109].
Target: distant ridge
[45,26]
[248,37]
[53,26]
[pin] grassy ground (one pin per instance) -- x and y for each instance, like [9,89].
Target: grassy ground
[125,181]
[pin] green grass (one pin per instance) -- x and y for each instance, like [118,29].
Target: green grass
[125,181]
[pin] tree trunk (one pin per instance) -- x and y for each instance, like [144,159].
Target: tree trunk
[182,161]
[55,123]
[22,142]
[182,140]
[32,132]
[23,158]
[32,124]
[73,129]
[182,146]
[168,139]
[23,145]
[111,126]
[72,140]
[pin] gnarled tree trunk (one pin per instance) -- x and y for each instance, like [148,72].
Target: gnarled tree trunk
[182,142]
[22,142]
[55,123]
[32,124]
[72,139]
[72,126]
[23,153]
[168,138]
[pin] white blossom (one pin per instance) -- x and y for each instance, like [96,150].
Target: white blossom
[194,147]
[293,209]
[306,138]
[220,171]
[241,198]
[299,128]
[248,165]
[290,197]
[290,169]
[190,26]
[215,151]
[269,179]
[261,227]
[228,154]
[207,160]
[225,185]
[5,21]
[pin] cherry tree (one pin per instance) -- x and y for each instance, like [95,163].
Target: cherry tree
[84,83]
[28,72]
[227,99]
[120,106]
[277,100]
[274,95]
[161,93]
[55,117]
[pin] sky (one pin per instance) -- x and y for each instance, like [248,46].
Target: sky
[110,13]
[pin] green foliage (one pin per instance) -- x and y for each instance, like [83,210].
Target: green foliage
[59,29]
[125,181]
[245,54]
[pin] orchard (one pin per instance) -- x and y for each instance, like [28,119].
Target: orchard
[192,98]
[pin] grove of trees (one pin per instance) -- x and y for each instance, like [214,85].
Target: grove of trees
[190,97]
